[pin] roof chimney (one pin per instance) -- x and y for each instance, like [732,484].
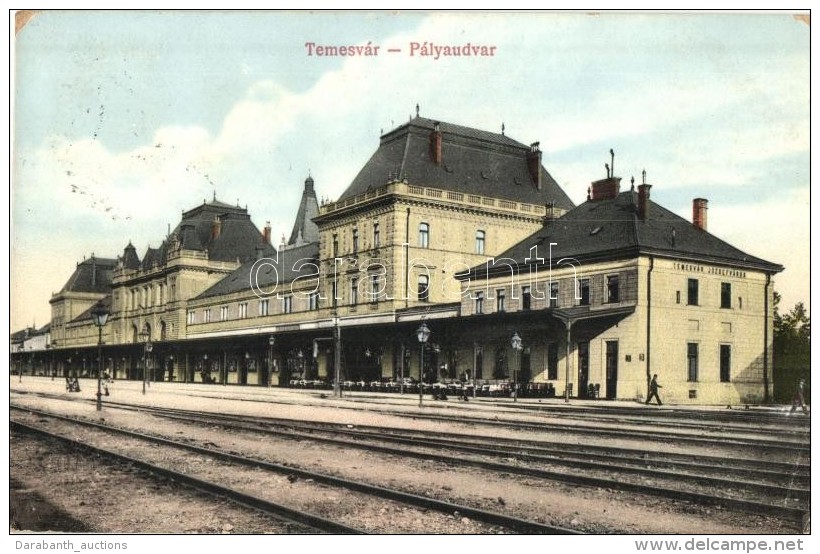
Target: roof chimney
[216,228]
[699,207]
[608,188]
[435,143]
[266,232]
[643,201]
[605,189]
[534,164]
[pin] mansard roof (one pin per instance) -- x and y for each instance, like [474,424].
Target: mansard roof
[226,232]
[472,162]
[91,275]
[611,229]
[283,267]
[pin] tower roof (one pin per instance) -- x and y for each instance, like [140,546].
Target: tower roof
[304,229]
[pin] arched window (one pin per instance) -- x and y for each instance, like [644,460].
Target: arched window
[424,235]
[479,241]
[162,330]
[424,288]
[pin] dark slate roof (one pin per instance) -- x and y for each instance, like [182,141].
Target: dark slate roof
[238,237]
[610,229]
[130,259]
[91,275]
[283,267]
[473,162]
[304,229]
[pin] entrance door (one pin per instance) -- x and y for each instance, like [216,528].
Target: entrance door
[611,369]
[583,369]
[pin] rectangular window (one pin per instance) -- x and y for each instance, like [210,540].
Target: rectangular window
[264,307]
[554,294]
[354,291]
[376,236]
[500,298]
[355,241]
[287,304]
[313,300]
[583,292]
[552,360]
[692,361]
[374,288]
[526,298]
[335,245]
[243,310]
[206,315]
[424,235]
[725,363]
[479,302]
[692,292]
[612,290]
[223,313]
[479,241]
[424,288]
[191,317]
[726,295]
[677,297]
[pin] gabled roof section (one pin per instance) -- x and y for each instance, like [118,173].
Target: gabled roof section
[611,229]
[86,315]
[271,275]
[91,275]
[304,229]
[472,162]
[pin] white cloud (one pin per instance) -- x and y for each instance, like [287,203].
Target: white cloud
[555,80]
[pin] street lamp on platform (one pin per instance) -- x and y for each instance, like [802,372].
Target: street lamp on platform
[422,334]
[145,337]
[516,345]
[99,316]
[271,342]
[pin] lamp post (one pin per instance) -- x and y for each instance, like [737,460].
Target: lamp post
[422,334]
[271,342]
[145,337]
[100,316]
[516,345]
[20,364]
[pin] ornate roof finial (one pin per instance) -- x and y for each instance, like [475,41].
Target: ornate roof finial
[502,127]
[643,173]
[417,110]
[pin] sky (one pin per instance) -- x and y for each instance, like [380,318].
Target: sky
[122,120]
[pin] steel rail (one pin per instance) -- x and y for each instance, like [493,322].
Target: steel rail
[494,518]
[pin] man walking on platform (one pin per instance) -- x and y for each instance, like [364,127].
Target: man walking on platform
[653,390]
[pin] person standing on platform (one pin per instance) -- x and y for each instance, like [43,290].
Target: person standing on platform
[799,398]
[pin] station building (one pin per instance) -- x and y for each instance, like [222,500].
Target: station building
[452,227]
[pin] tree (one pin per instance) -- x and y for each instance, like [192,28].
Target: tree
[792,349]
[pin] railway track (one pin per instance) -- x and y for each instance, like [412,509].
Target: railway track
[753,437]
[508,522]
[608,470]
[304,519]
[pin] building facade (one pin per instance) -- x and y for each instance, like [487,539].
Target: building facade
[461,229]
